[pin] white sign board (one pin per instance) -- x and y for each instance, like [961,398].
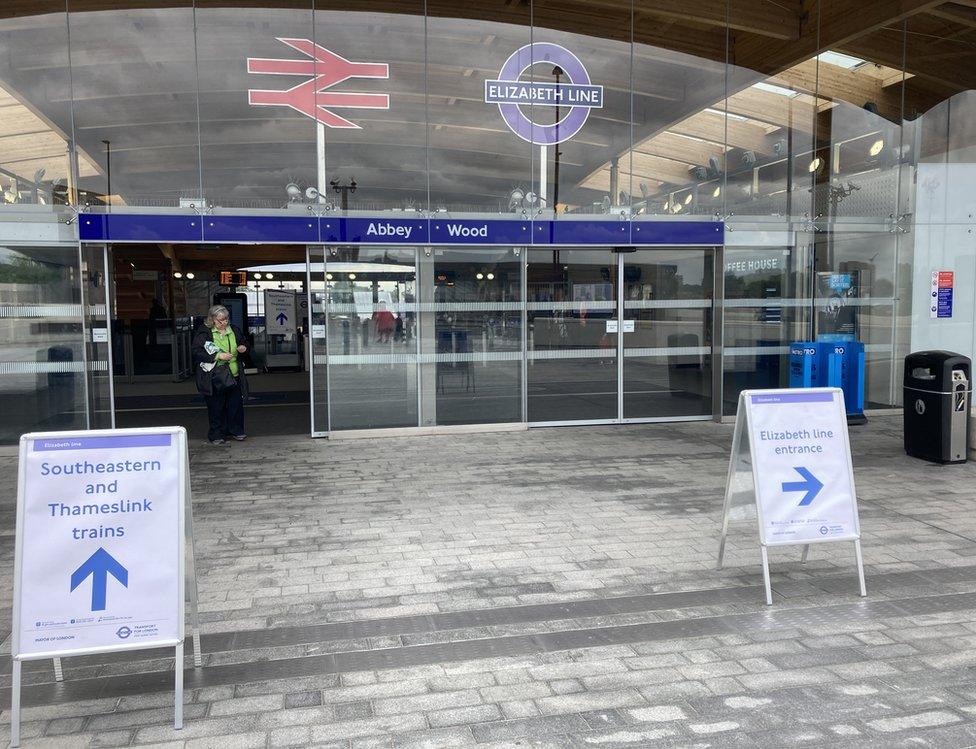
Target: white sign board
[792,447]
[280,312]
[99,562]
[801,463]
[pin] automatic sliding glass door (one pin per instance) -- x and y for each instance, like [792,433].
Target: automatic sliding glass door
[408,337]
[667,333]
[371,324]
[572,335]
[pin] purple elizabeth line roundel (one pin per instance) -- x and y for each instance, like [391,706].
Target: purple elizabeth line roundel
[579,94]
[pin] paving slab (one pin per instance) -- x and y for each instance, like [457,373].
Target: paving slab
[555,587]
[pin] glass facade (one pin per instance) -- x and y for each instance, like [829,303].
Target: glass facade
[841,164]
[42,356]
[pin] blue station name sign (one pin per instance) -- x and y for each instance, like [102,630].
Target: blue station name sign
[385,230]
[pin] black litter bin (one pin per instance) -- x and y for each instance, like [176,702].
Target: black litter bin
[936,405]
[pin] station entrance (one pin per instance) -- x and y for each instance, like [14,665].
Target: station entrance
[161,294]
[350,339]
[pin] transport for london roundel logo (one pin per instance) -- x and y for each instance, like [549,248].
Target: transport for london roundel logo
[571,91]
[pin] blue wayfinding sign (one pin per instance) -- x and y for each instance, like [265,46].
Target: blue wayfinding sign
[397,229]
[810,485]
[98,567]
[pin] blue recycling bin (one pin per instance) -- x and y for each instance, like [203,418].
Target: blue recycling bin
[831,361]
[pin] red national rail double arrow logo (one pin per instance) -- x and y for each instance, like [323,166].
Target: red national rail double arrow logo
[313,97]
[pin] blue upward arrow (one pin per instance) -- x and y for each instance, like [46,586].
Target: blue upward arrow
[810,484]
[281,318]
[99,565]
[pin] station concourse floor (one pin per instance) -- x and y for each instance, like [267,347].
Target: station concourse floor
[548,588]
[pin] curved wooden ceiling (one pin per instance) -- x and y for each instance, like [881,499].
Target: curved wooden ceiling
[777,39]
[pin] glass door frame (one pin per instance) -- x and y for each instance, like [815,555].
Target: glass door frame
[94,261]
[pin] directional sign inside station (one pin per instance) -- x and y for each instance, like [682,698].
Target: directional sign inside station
[280,311]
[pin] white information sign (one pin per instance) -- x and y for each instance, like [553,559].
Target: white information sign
[795,445]
[280,312]
[612,326]
[802,466]
[100,546]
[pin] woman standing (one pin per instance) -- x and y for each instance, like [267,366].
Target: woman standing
[220,375]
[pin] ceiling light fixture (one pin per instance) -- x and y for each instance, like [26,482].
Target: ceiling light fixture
[177,274]
[190,276]
[877,147]
[815,165]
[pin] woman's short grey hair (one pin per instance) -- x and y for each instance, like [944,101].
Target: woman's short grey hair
[218,310]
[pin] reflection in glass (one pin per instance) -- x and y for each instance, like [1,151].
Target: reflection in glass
[134,103]
[249,155]
[572,338]
[477,165]
[372,337]
[766,306]
[477,332]
[35,97]
[42,358]
[384,151]
[588,173]
[667,355]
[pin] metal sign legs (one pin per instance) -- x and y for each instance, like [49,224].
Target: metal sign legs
[742,503]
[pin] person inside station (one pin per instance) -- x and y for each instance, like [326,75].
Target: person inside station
[217,347]
[385,323]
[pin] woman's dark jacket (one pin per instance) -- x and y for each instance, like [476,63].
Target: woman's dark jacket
[200,355]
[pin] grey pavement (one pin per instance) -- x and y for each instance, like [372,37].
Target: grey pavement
[555,587]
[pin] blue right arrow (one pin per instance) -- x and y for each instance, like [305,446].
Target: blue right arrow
[99,565]
[811,485]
